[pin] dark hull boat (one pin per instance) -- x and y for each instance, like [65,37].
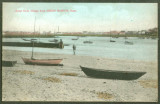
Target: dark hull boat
[112,41]
[75,38]
[29,39]
[8,63]
[89,42]
[112,74]
[47,62]
[26,39]
[54,40]
[128,43]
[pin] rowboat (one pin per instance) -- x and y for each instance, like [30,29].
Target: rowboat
[26,39]
[54,40]
[112,74]
[89,42]
[112,41]
[75,38]
[47,62]
[8,63]
[128,43]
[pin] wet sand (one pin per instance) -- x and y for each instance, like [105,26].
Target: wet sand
[68,83]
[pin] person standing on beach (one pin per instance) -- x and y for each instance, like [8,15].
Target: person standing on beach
[74,49]
[61,44]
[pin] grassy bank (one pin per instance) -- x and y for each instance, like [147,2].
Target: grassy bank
[81,35]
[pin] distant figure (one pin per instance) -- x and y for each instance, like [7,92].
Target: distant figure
[61,44]
[74,49]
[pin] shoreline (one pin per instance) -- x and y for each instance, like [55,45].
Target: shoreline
[81,35]
[68,83]
[123,59]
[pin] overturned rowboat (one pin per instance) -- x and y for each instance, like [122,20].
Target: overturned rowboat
[112,74]
[8,63]
[47,62]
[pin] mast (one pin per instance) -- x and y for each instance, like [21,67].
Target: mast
[32,40]
[110,34]
[39,33]
[58,29]
[34,25]
[39,30]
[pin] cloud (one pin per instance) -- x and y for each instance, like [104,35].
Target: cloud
[88,16]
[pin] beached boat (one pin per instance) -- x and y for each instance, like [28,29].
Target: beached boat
[8,63]
[112,74]
[48,62]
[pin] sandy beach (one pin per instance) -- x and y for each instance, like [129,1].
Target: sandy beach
[68,83]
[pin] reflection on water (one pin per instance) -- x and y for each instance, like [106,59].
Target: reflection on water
[142,49]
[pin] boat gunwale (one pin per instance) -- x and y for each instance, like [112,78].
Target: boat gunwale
[41,59]
[114,71]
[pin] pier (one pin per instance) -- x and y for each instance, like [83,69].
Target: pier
[30,44]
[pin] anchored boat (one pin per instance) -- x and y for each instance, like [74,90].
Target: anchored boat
[89,42]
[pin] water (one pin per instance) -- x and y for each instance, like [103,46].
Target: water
[142,49]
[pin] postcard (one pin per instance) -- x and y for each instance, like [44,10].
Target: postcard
[83,52]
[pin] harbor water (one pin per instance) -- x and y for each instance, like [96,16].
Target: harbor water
[142,49]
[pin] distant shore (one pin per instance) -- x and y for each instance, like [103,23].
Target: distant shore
[81,35]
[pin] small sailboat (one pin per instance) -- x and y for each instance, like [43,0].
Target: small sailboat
[34,61]
[111,39]
[54,40]
[48,62]
[127,42]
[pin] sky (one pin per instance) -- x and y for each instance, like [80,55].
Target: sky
[93,17]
